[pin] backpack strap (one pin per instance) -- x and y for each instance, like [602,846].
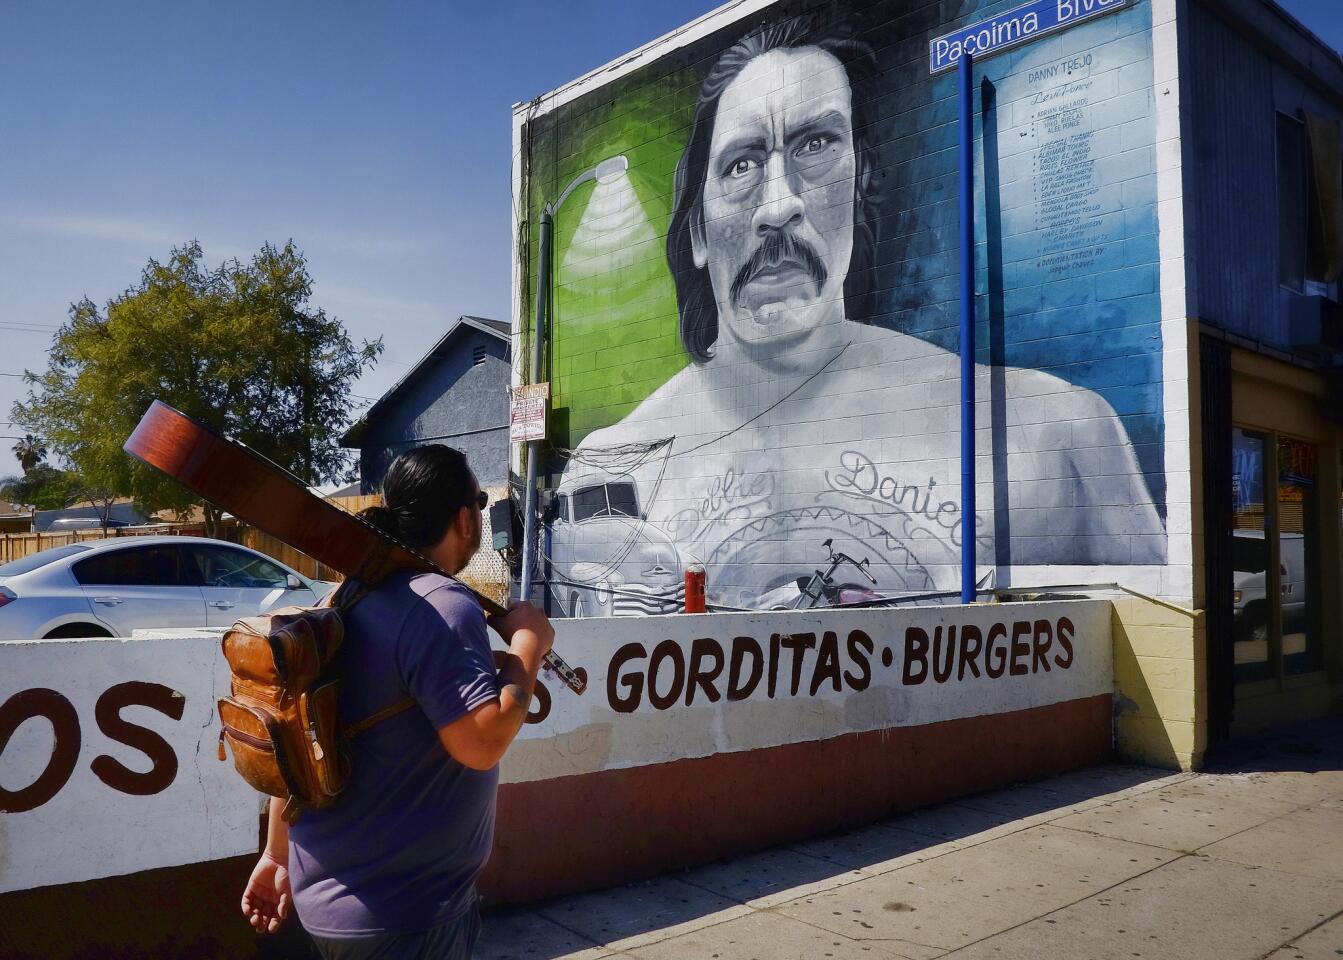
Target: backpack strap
[386,713]
[343,598]
[293,809]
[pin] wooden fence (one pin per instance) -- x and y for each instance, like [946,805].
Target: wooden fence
[16,546]
[487,572]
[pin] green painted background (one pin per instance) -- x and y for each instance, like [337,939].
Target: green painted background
[613,331]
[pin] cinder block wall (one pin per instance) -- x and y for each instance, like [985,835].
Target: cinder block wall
[1080,219]
[1161,695]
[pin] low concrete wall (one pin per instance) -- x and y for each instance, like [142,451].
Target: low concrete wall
[109,760]
[699,736]
[121,834]
[1161,689]
[708,735]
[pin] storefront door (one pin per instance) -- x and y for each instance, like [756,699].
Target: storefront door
[1282,604]
[1275,552]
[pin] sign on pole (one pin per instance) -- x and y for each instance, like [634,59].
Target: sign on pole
[527,412]
[1030,21]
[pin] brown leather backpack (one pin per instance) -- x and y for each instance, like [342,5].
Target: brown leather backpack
[281,720]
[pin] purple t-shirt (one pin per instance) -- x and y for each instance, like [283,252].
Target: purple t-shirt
[401,849]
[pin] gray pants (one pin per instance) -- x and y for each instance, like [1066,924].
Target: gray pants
[451,941]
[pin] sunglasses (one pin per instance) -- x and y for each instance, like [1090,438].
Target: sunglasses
[482,499]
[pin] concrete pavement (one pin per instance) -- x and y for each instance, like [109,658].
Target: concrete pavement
[1242,861]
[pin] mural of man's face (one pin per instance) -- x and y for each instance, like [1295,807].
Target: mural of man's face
[776,233]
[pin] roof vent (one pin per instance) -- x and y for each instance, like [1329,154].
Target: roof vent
[478,357]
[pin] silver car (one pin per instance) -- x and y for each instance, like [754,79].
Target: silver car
[108,588]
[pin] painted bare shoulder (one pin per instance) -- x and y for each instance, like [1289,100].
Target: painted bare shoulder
[654,418]
[1110,492]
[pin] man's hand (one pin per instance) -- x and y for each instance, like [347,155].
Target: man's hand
[266,901]
[528,625]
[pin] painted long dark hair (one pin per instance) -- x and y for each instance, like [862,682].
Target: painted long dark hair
[421,493]
[694,292]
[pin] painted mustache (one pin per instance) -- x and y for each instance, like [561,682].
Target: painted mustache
[778,249]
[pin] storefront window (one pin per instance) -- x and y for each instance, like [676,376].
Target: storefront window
[1276,579]
[1298,555]
[1249,557]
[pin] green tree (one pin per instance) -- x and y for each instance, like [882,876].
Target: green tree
[30,451]
[43,487]
[238,348]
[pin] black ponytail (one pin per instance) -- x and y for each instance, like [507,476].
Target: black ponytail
[382,518]
[421,493]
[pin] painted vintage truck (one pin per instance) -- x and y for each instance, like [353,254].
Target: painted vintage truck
[640,573]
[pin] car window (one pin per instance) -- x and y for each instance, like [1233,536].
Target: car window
[222,567]
[606,500]
[156,566]
[1248,555]
[29,564]
[623,499]
[589,503]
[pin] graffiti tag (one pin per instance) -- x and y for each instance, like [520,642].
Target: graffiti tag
[860,479]
[729,499]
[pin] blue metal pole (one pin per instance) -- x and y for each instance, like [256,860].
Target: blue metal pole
[966,96]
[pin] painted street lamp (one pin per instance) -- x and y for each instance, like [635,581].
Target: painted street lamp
[604,172]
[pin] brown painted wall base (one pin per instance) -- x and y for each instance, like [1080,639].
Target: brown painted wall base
[597,830]
[176,913]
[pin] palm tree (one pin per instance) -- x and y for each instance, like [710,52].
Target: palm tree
[30,451]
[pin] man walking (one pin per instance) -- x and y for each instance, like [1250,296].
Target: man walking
[389,871]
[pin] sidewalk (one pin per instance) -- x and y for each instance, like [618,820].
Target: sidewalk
[1242,861]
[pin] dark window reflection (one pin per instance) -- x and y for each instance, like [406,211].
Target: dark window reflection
[607,500]
[1298,555]
[137,567]
[623,500]
[589,503]
[1249,555]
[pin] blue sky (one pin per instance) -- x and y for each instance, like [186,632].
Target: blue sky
[377,136]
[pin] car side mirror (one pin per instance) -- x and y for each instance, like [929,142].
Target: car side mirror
[292,582]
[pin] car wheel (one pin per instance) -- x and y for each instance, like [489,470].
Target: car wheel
[75,631]
[1256,623]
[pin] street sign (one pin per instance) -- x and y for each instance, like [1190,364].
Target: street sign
[1028,22]
[527,412]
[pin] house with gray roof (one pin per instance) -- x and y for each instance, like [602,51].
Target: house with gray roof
[457,394]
